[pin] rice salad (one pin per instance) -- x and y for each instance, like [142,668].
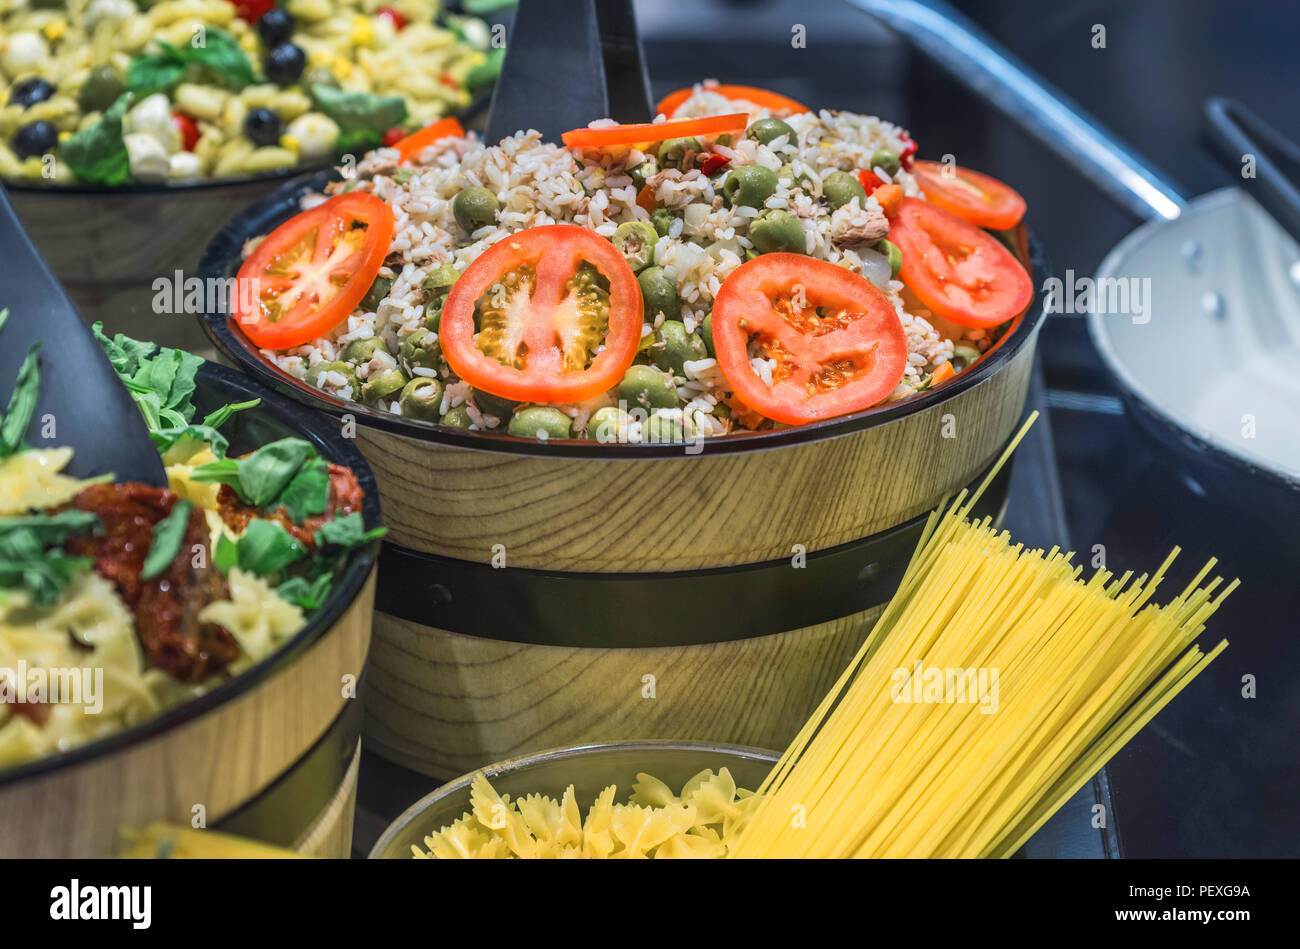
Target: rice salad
[699,237]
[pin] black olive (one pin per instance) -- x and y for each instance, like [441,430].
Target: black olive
[275,26]
[28,92]
[35,138]
[262,126]
[284,64]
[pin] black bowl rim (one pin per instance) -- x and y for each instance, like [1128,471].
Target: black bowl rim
[225,250]
[235,386]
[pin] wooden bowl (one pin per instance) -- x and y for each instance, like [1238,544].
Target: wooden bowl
[649,591]
[589,768]
[271,753]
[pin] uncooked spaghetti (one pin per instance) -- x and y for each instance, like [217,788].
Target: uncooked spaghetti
[1053,674]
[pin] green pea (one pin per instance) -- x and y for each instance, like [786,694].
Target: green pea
[422,348]
[318,370]
[750,185]
[457,417]
[886,161]
[383,385]
[662,219]
[474,208]
[768,130]
[101,89]
[963,356]
[840,188]
[676,346]
[659,293]
[706,331]
[378,290]
[440,278]
[895,255]
[490,404]
[542,422]
[647,387]
[776,230]
[673,152]
[362,350]
[421,399]
[635,240]
[604,425]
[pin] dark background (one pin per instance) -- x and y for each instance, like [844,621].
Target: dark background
[1215,774]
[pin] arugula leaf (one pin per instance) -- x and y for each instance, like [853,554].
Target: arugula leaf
[218,417]
[97,154]
[164,439]
[308,493]
[123,352]
[22,405]
[347,531]
[31,557]
[362,117]
[226,555]
[167,537]
[265,548]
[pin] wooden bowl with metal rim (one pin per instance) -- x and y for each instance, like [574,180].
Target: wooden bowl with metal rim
[272,753]
[648,591]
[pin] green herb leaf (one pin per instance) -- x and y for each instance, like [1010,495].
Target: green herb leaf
[97,154]
[310,594]
[226,555]
[267,472]
[31,558]
[123,352]
[155,72]
[223,59]
[22,405]
[347,531]
[220,59]
[487,71]
[164,439]
[362,117]
[218,417]
[308,493]
[167,537]
[266,548]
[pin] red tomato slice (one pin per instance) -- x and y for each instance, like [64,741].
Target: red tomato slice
[960,272]
[642,132]
[838,344]
[772,101]
[973,197]
[416,142]
[525,321]
[309,274]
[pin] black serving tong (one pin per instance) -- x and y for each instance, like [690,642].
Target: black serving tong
[1236,132]
[80,394]
[567,63]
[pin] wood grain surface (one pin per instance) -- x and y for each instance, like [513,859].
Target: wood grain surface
[219,760]
[444,704]
[688,512]
[330,835]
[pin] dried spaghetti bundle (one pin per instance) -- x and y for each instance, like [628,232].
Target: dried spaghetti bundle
[896,762]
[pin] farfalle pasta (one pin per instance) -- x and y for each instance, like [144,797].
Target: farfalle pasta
[654,823]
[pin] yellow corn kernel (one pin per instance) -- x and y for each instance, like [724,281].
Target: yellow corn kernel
[290,143]
[54,29]
[363,33]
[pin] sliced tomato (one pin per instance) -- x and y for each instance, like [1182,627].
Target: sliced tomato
[417,142]
[837,343]
[309,274]
[643,132]
[528,321]
[772,101]
[960,272]
[972,196]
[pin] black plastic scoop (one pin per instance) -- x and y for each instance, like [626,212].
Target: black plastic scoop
[569,62]
[81,398]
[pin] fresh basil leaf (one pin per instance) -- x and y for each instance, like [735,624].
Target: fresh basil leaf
[264,474]
[155,72]
[97,154]
[226,554]
[223,59]
[167,537]
[308,493]
[223,471]
[22,405]
[266,547]
[362,117]
[347,531]
[310,594]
